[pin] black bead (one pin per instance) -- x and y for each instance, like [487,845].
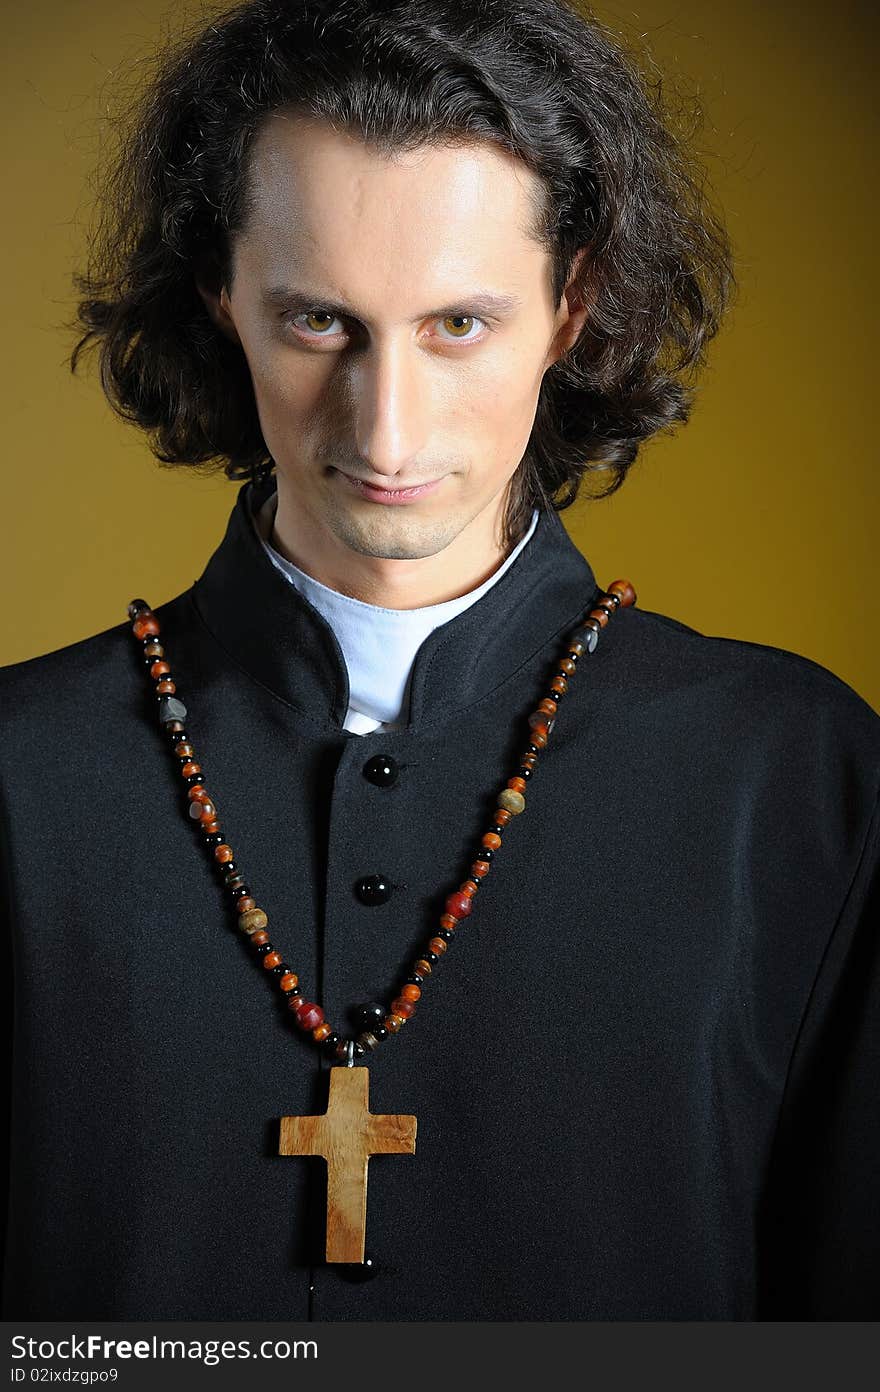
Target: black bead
[214,838]
[414,980]
[484,853]
[280,970]
[380,1031]
[136,607]
[329,1043]
[239,891]
[192,779]
[369,1014]
[263,948]
[447,934]
[532,749]
[357,1271]
[359,1049]
[381,770]
[373,890]
[228,869]
[496,830]
[525,772]
[431,957]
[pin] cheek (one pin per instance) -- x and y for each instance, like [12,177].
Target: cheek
[497,400]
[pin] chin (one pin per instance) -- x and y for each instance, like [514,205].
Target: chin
[394,537]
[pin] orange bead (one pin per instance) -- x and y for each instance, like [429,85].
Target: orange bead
[403,1007]
[547,707]
[208,812]
[197,793]
[479,869]
[491,840]
[566,665]
[188,769]
[245,903]
[502,817]
[321,1031]
[272,959]
[210,826]
[539,737]
[624,589]
[411,991]
[166,687]
[154,648]
[144,626]
[184,750]
[289,981]
[422,967]
[223,853]
[518,784]
[259,937]
[393,1023]
[294,1002]
[438,945]
[600,615]
[158,670]
[447,921]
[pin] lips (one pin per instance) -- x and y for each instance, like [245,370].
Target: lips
[390,495]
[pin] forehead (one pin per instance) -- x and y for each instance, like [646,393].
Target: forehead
[323,204]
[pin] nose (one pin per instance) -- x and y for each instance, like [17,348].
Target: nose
[391,407]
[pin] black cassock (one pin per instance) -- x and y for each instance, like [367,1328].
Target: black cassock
[645,1073]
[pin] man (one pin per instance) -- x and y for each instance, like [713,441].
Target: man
[642,1055]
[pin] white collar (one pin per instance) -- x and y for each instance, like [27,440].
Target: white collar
[379,645]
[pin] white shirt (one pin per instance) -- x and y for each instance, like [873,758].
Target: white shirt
[379,645]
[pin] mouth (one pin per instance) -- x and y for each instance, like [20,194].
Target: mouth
[389,495]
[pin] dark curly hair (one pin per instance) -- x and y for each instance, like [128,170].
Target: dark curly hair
[542,79]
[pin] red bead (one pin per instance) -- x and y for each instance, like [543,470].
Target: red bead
[458,905]
[142,628]
[403,1007]
[309,1016]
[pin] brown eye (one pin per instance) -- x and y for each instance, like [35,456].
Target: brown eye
[318,314]
[459,322]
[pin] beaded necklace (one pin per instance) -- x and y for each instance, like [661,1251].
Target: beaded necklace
[348,1133]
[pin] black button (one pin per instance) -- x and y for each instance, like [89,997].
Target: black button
[358,1271]
[381,770]
[373,889]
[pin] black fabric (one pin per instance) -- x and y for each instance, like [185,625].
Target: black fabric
[645,1074]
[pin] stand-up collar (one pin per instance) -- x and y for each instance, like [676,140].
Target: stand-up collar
[271,630]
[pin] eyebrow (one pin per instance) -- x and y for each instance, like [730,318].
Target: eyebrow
[483,303]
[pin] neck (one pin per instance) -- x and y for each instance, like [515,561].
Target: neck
[469,559]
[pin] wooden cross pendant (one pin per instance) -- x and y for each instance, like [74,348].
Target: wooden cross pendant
[346,1135]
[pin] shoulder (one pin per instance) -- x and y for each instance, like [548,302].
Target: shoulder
[720,700]
[61,695]
[667,656]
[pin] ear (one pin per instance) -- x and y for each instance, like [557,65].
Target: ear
[574,306]
[214,295]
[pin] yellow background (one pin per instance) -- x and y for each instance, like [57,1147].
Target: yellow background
[756,520]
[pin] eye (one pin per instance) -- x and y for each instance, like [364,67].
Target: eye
[319,330]
[462,322]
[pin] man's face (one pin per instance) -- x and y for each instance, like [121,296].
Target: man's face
[397,322]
